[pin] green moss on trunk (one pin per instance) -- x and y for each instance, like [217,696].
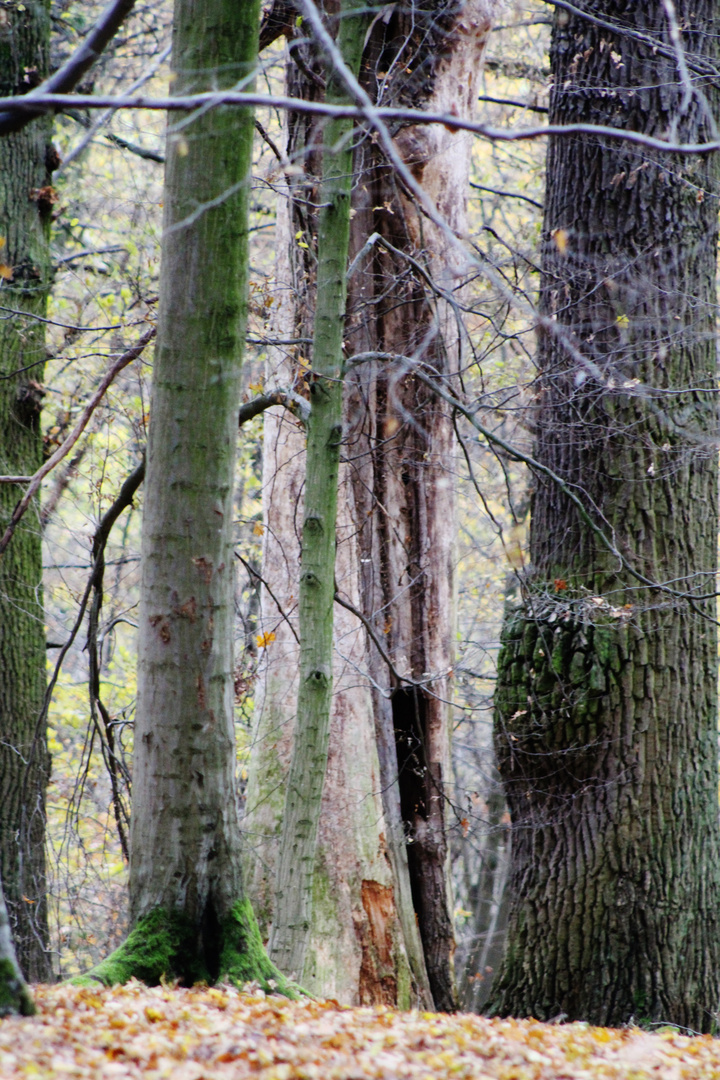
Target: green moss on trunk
[168,945]
[14,994]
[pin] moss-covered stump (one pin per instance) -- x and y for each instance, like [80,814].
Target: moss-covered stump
[168,945]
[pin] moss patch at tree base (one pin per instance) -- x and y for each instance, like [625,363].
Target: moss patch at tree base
[166,945]
[14,995]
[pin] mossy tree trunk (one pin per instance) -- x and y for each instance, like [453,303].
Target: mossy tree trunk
[308,764]
[189,913]
[357,950]
[26,199]
[606,705]
[14,994]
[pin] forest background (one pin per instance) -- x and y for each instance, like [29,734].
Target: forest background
[499,319]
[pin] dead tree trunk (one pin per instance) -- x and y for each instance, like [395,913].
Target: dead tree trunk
[395,560]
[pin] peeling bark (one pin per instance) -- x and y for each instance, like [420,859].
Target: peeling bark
[401,441]
[395,529]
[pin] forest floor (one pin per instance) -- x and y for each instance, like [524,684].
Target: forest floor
[208,1034]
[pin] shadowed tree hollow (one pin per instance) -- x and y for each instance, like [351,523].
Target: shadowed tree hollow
[606,708]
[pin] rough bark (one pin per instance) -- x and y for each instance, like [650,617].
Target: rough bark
[26,200]
[14,994]
[189,913]
[606,708]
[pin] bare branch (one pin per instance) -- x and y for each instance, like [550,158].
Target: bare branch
[377,115]
[292,401]
[72,71]
[67,445]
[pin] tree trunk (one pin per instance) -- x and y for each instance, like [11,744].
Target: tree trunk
[606,708]
[14,994]
[393,311]
[401,441]
[26,200]
[356,951]
[191,919]
[308,764]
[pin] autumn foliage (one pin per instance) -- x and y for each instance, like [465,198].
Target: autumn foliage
[204,1034]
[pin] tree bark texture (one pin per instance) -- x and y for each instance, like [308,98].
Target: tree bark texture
[606,708]
[392,309]
[189,914]
[26,200]
[14,994]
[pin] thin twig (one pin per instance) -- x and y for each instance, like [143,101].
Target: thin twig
[107,736]
[67,445]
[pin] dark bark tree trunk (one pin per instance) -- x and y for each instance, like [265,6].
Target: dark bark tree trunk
[190,915]
[26,199]
[606,707]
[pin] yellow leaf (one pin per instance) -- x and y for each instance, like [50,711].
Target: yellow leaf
[258,528]
[263,640]
[6,271]
[622,320]
[560,237]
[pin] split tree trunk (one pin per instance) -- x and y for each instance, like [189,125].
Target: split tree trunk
[191,919]
[26,200]
[606,705]
[397,509]
[400,440]
[355,951]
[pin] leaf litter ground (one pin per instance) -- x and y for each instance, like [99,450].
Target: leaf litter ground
[208,1034]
